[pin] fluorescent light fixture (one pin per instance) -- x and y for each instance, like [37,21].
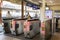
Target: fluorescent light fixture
[7,4]
[47,8]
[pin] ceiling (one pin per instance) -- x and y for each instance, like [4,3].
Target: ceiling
[14,1]
[51,3]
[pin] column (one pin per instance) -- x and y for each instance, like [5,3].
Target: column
[42,18]
[0,11]
[53,23]
[22,3]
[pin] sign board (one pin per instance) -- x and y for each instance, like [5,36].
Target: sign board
[34,6]
[48,14]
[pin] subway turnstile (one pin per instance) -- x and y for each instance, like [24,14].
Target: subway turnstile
[33,27]
[17,27]
[48,29]
[7,26]
[57,24]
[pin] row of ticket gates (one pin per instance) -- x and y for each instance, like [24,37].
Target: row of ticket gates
[16,27]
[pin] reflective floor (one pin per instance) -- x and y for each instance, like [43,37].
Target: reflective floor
[3,37]
[12,37]
[56,36]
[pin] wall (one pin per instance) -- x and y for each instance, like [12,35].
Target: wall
[14,13]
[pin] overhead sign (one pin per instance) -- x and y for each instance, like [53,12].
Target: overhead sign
[34,6]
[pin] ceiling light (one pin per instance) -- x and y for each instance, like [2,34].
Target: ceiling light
[47,8]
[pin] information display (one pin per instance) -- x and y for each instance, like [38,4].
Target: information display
[48,14]
[34,6]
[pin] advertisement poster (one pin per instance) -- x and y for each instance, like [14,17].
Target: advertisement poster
[48,14]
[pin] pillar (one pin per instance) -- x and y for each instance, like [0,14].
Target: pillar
[53,23]
[42,18]
[0,11]
[22,3]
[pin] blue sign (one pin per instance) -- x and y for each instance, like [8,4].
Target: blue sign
[28,4]
[48,14]
[34,6]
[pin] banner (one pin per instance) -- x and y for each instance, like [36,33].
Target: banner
[34,6]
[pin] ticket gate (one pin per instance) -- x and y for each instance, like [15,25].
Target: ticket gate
[57,24]
[7,26]
[17,28]
[48,29]
[34,29]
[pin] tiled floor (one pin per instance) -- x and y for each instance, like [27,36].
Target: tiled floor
[3,37]
[10,37]
[56,36]
[37,37]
